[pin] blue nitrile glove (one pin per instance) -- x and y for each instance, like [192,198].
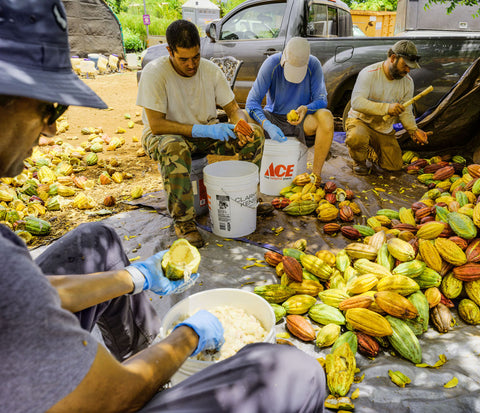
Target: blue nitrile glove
[219,131]
[208,328]
[155,281]
[274,131]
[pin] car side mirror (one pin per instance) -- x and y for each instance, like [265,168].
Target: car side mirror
[211,31]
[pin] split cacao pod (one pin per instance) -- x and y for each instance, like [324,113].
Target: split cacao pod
[340,367]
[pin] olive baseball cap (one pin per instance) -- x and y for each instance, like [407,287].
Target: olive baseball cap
[295,59]
[407,50]
[35,54]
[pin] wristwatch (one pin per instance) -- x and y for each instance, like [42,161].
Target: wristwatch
[138,279]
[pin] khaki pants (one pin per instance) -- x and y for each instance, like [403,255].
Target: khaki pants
[360,137]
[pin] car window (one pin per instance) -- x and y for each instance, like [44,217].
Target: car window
[257,22]
[322,21]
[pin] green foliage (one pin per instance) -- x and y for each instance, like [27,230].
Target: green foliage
[229,5]
[374,5]
[454,3]
[117,5]
[132,41]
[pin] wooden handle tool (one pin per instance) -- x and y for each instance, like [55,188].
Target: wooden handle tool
[414,99]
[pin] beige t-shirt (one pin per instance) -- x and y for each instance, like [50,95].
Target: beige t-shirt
[372,94]
[187,100]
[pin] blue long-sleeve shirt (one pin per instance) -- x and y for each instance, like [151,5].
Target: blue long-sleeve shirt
[282,95]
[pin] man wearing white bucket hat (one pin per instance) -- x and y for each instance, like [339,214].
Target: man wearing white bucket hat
[293,81]
[50,361]
[179,94]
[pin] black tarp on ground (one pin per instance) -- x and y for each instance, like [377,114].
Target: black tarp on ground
[455,120]
[93,28]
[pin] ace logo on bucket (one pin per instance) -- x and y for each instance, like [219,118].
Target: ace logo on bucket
[279,171]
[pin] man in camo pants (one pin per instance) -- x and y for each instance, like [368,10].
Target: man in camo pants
[180,93]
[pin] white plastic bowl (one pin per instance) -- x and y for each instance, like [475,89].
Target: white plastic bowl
[252,303]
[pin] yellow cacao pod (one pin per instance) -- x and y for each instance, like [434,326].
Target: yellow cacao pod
[368,322]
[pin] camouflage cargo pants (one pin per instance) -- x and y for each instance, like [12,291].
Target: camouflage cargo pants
[174,154]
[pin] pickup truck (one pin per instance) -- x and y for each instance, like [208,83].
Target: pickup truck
[255,29]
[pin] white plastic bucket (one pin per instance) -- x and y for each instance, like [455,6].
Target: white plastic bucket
[280,163]
[232,197]
[252,303]
[198,185]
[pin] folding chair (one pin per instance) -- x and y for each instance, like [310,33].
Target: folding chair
[230,67]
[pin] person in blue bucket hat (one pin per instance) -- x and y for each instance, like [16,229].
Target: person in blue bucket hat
[50,361]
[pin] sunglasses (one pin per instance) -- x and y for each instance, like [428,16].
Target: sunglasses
[411,57]
[54,111]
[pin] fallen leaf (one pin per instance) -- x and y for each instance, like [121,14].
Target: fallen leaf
[452,383]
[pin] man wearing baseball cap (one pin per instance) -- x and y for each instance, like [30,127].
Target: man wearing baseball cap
[293,80]
[50,361]
[380,90]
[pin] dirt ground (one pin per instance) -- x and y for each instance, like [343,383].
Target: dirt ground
[119,91]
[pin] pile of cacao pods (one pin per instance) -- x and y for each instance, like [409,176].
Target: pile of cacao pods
[303,197]
[406,272]
[52,176]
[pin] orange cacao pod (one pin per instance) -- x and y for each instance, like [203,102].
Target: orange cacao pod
[280,203]
[331,197]
[272,258]
[443,173]
[467,272]
[300,327]
[331,228]
[109,201]
[474,170]
[395,304]
[346,213]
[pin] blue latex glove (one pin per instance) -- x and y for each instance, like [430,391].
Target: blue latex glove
[219,131]
[274,131]
[208,328]
[155,281]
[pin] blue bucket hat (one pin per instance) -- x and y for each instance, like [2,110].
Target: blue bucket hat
[35,54]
